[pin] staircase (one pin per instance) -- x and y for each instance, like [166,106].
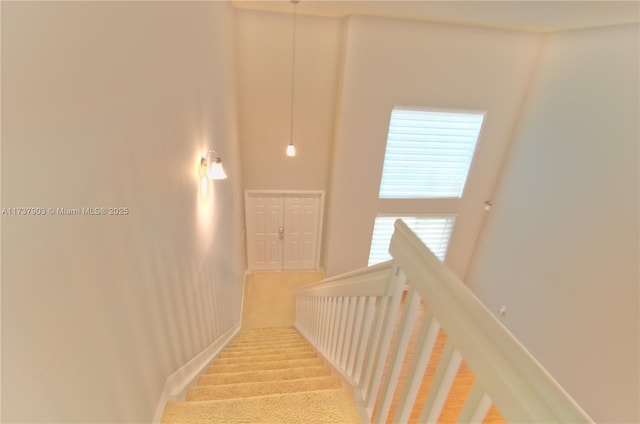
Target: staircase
[265,375]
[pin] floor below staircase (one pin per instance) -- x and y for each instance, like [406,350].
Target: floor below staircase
[266,375]
[269,299]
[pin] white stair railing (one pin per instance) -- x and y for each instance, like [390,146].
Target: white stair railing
[363,323]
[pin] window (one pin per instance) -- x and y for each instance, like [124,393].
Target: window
[428,153]
[434,231]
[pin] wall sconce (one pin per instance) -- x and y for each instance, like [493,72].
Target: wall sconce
[212,167]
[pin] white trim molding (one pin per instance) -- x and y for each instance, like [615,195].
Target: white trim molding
[179,381]
[352,318]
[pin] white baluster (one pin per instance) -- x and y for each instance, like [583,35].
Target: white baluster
[372,347]
[441,384]
[397,284]
[348,336]
[342,329]
[355,338]
[475,407]
[397,357]
[424,348]
[332,326]
[326,322]
[363,342]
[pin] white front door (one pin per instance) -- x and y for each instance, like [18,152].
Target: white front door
[301,231]
[283,230]
[264,223]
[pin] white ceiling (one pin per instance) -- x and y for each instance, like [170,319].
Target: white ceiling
[536,16]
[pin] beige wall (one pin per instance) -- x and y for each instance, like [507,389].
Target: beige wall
[111,104]
[264,93]
[396,62]
[560,249]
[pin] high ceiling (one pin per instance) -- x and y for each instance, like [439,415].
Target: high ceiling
[535,16]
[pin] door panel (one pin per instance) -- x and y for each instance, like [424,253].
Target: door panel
[301,231]
[264,219]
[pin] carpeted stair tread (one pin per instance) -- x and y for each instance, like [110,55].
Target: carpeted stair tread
[317,407]
[265,351]
[266,330]
[251,348]
[268,358]
[265,334]
[267,375]
[239,390]
[264,365]
[267,341]
[250,334]
[287,341]
[256,346]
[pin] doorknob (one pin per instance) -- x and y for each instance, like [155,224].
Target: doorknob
[281,233]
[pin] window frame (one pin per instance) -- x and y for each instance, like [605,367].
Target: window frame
[395,216]
[419,109]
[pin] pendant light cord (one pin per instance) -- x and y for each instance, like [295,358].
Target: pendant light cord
[293,68]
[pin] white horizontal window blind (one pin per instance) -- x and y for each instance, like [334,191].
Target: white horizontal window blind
[434,231]
[428,154]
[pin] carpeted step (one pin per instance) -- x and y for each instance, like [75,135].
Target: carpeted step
[305,354]
[261,333]
[231,391]
[317,407]
[266,345]
[247,334]
[267,342]
[264,365]
[265,351]
[264,330]
[251,347]
[267,375]
[265,337]
[285,340]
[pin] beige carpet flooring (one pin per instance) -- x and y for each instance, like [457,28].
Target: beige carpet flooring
[265,375]
[269,299]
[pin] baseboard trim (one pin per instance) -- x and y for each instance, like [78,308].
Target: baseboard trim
[180,380]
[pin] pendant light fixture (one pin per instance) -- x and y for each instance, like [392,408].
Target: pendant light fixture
[291,149]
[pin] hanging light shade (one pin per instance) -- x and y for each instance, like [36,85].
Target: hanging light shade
[216,171]
[212,168]
[291,149]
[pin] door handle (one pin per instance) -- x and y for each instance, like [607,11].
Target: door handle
[281,233]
